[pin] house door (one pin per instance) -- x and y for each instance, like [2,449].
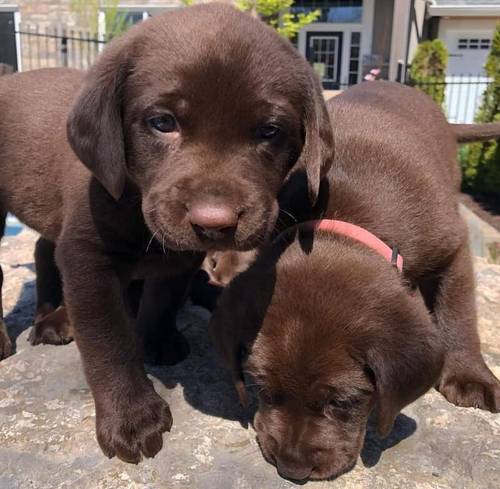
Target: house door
[8,52]
[324,52]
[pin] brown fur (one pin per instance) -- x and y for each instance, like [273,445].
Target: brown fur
[52,326]
[331,329]
[222,266]
[126,212]
[466,133]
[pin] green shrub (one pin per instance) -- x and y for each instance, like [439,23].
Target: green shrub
[276,13]
[481,161]
[87,14]
[428,69]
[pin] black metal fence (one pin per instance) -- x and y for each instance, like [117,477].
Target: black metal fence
[53,47]
[462,95]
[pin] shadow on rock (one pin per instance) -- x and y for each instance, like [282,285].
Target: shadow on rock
[20,318]
[373,446]
[30,266]
[206,382]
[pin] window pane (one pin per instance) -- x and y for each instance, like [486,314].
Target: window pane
[132,17]
[341,11]
[345,15]
[356,38]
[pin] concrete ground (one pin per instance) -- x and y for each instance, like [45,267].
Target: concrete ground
[47,416]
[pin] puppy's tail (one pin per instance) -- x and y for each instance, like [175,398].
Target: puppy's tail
[469,133]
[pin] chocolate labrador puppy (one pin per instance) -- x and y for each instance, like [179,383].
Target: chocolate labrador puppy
[180,138]
[330,326]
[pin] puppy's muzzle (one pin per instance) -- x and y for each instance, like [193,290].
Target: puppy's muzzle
[213,222]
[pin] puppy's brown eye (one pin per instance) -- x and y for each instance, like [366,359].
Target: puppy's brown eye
[343,403]
[164,123]
[268,131]
[265,397]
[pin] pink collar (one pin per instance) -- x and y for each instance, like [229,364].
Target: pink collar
[361,235]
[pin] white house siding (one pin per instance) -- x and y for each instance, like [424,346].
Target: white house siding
[402,10]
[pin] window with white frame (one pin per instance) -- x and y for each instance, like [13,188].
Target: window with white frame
[354,57]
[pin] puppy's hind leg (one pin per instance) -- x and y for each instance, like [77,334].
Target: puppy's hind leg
[465,379]
[52,325]
[5,343]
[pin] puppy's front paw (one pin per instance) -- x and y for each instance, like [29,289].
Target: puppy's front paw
[468,382]
[166,351]
[131,425]
[5,343]
[54,329]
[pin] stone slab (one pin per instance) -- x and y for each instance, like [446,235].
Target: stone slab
[47,417]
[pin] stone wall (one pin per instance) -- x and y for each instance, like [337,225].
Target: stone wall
[55,13]
[43,12]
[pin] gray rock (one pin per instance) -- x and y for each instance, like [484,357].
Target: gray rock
[47,416]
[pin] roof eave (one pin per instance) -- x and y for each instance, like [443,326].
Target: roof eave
[464,10]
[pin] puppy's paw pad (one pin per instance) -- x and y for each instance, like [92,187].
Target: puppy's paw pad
[169,351]
[136,431]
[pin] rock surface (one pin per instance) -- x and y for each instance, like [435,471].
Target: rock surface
[47,416]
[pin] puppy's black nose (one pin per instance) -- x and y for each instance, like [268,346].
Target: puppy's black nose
[213,221]
[296,474]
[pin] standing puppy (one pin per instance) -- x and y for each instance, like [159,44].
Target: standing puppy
[188,126]
[333,322]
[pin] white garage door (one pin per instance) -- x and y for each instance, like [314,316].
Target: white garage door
[468,42]
[468,52]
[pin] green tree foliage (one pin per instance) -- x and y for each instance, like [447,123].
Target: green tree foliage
[481,161]
[276,13]
[87,13]
[428,69]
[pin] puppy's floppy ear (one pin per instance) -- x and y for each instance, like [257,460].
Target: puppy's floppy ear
[94,126]
[317,153]
[238,318]
[406,359]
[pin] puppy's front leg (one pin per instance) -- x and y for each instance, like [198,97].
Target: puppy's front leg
[465,380]
[130,415]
